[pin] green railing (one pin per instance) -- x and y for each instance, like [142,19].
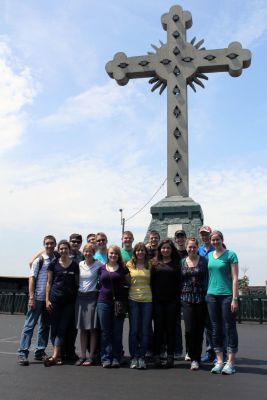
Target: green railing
[252,309]
[13,303]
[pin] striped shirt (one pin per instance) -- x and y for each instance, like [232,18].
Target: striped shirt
[40,285]
[140,284]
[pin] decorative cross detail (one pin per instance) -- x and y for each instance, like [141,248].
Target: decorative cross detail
[175,65]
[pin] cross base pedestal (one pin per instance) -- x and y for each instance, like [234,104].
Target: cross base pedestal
[174,213]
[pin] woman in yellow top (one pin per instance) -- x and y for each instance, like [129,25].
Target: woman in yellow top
[140,305]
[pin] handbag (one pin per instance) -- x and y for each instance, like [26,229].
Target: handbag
[120,306]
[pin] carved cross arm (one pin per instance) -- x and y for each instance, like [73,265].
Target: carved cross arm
[123,68]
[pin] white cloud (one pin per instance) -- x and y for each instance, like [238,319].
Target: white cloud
[98,102]
[17,89]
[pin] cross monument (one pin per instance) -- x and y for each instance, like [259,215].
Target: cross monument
[175,65]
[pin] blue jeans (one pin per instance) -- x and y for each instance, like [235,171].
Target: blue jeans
[60,320]
[223,321]
[140,317]
[111,332]
[31,320]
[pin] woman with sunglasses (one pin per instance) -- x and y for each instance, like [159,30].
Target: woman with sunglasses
[101,244]
[222,300]
[113,278]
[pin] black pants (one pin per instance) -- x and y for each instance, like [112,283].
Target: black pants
[165,316]
[194,319]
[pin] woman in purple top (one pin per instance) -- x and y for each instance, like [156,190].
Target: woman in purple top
[114,276]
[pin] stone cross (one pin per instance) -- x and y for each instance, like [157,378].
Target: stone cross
[175,65]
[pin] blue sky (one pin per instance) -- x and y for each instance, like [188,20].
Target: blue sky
[75,147]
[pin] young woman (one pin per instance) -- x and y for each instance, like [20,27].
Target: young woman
[140,305]
[222,302]
[114,276]
[193,292]
[165,284]
[85,310]
[61,291]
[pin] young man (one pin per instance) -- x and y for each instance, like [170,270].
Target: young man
[180,239]
[153,242]
[101,242]
[75,241]
[36,305]
[91,238]
[206,247]
[127,243]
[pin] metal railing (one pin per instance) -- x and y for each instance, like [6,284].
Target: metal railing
[13,303]
[252,309]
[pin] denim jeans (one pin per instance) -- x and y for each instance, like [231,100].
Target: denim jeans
[223,320]
[140,317]
[31,320]
[111,332]
[60,320]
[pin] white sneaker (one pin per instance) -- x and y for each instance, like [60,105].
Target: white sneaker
[134,363]
[194,366]
[187,358]
[141,364]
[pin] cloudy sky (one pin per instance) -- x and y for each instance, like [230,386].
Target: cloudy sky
[75,147]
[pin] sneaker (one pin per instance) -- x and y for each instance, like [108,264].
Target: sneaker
[163,355]
[217,369]
[23,360]
[115,363]
[134,363]
[194,366]
[177,356]
[40,357]
[149,354]
[228,369]
[141,364]
[106,364]
[206,358]
[187,358]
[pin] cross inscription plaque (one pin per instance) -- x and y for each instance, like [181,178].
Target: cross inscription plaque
[175,65]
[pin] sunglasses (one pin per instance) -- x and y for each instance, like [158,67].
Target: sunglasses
[100,240]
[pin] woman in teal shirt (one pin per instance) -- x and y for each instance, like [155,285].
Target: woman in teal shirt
[222,302]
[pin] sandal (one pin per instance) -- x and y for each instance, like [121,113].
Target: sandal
[88,362]
[80,361]
[48,362]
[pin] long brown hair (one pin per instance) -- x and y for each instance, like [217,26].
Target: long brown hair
[139,246]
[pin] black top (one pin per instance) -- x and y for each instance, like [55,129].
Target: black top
[166,282]
[194,281]
[65,282]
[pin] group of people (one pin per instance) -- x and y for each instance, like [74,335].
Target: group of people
[91,291]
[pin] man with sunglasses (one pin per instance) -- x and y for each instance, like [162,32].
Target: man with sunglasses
[75,241]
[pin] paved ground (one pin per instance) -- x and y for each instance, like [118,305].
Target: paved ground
[68,382]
